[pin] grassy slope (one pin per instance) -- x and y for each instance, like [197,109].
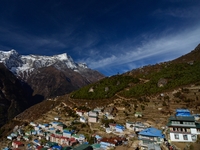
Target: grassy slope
[176,74]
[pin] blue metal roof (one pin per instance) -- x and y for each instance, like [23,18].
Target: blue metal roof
[119,126]
[152,132]
[57,147]
[182,112]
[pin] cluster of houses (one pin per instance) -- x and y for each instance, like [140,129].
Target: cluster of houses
[93,115]
[182,127]
[54,132]
[57,136]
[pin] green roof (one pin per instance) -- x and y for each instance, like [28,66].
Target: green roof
[182,118]
[139,113]
[52,143]
[197,125]
[66,148]
[58,132]
[25,136]
[66,129]
[75,135]
[96,145]
[83,147]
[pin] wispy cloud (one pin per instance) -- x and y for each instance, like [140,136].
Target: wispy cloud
[166,48]
[29,42]
[187,12]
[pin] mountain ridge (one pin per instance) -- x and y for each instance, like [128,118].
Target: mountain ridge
[18,64]
[38,71]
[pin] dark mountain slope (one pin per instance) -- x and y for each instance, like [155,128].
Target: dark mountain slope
[52,82]
[194,55]
[13,97]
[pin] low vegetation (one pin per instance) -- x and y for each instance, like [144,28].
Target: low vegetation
[105,88]
[174,75]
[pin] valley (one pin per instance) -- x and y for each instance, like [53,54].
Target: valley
[117,108]
[154,111]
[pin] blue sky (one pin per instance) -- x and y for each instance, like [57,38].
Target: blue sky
[111,36]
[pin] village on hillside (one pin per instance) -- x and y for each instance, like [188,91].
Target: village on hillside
[59,135]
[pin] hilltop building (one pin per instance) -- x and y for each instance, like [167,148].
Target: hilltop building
[183,127]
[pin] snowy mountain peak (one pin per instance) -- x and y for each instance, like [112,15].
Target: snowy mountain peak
[7,54]
[82,65]
[25,64]
[63,56]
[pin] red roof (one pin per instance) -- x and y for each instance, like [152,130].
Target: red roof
[71,139]
[73,142]
[18,143]
[113,140]
[39,147]
[112,124]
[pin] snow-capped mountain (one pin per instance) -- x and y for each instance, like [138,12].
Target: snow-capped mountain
[24,65]
[49,76]
[27,80]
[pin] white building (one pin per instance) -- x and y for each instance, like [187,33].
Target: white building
[136,126]
[83,119]
[33,124]
[56,118]
[92,119]
[80,112]
[92,114]
[10,137]
[98,110]
[183,128]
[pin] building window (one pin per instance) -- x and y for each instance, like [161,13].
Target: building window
[191,123]
[193,137]
[176,136]
[151,138]
[175,122]
[185,137]
[188,130]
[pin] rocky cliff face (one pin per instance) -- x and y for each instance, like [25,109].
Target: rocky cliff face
[49,76]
